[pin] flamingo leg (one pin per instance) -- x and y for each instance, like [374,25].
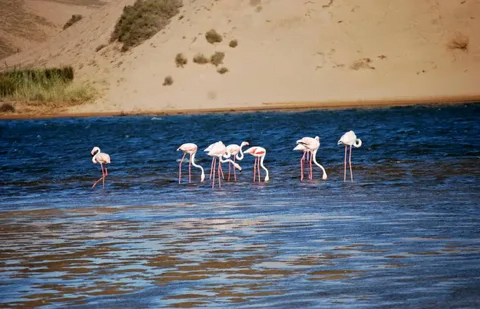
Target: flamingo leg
[350,163]
[211,168]
[95,183]
[180,168]
[301,165]
[229,170]
[254,169]
[234,172]
[345,166]
[213,171]
[190,169]
[258,170]
[310,174]
[219,170]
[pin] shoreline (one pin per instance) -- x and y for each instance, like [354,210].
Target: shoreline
[264,107]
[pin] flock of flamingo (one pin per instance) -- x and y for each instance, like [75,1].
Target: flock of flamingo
[308,145]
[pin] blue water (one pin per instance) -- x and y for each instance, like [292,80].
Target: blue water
[405,233]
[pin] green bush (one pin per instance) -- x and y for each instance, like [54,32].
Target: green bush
[213,37]
[217,58]
[200,59]
[142,20]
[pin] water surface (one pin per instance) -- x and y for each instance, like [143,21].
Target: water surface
[405,233]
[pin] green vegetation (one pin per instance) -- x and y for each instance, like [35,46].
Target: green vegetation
[168,81]
[460,42]
[72,20]
[222,70]
[233,43]
[200,59]
[180,60]
[142,20]
[53,85]
[213,37]
[217,58]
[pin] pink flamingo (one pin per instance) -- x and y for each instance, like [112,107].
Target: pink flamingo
[306,154]
[259,154]
[349,139]
[217,150]
[214,159]
[102,158]
[312,145]
[191,149]
[233,150]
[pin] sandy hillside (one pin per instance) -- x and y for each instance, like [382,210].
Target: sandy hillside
[288,51]
[26,23]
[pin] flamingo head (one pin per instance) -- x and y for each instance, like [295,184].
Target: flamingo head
[202,178]
[237,166]
[244,144]
[267,178]
[95,150]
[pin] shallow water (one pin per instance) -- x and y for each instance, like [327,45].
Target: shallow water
[405,233]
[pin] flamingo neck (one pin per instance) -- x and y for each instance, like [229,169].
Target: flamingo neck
[263,166]
[192,157]
[314,154]
[94,158]
[241,153]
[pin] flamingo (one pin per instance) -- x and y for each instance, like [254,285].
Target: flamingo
[102,158]
[191,149]
[306,154]
[217,150]
[312,145]
[349,139]
[234,149]
[259,154]
[214,159]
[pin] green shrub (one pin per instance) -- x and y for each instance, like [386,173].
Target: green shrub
[217,58]
[200,59]
[233,43]
[142,20]
[222,70]
[72,20]
[168,81]
[213,37]
[180,60]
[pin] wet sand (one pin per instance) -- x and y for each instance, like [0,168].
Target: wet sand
[266,106]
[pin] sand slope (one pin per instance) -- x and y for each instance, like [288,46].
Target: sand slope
[288,51]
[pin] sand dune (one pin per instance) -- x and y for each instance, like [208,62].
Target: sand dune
[288,51]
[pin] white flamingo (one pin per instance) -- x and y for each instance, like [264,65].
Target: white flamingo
[349,139]
[191,149]
[102,158]
[312,144]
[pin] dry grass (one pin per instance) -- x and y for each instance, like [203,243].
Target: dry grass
[213,36]
[233,43]
[142,20]
[200,59]
[75,18]
[222,70]
[7,108]
[363,63]
[168,81]
[180,60]
[217,58]
[460,42]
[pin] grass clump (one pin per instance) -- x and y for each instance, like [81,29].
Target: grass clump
[222,70]
[75,18]
[168,81]
[142,20]
[233,43]
[7,108]
[212,37]
[180,60]
[217,58]
[460,42]
[200,59]
[52,85]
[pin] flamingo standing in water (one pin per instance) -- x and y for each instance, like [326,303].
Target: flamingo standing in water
[217,150]
[349,139]
[259,154]
[312,145]
[306,154]
[102,158]
[191,149]
[234,150]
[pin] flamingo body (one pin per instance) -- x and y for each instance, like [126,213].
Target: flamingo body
[349,139]
[259,154]
[191,149]
[311,145]
[103,159]
[234,150]
[218,150]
